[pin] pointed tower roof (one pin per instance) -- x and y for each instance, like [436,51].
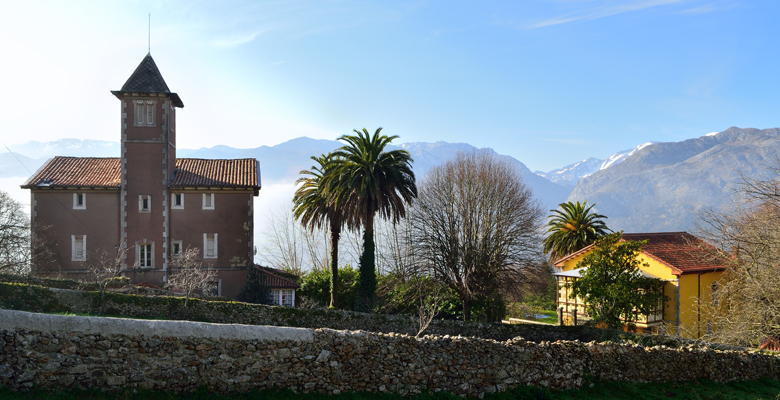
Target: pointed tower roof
[147,79]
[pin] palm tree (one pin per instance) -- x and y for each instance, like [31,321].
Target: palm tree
[368,180]
[314,207]
[572,227]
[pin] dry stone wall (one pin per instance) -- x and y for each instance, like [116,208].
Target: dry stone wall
[40,299]
[52,351]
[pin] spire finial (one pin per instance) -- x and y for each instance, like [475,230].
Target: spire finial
[149,35]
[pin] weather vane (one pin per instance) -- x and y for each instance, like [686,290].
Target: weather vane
[149,35]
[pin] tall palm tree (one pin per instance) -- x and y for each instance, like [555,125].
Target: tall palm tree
[572,227]
[367,181]
[315,207]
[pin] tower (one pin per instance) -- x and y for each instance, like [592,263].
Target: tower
[148,164]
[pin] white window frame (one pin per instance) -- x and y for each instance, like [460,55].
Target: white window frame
[144,112]
[141,198]
[209,196]
[277,295]
[174,206]
[205,246]
[174,243]
[218,283]
[76,205]
[73,256]
[138,257]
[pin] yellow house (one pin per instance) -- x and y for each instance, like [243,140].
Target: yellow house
[689,267]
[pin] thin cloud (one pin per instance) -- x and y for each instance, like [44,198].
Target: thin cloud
[707,8]
[238,40]
[602,12]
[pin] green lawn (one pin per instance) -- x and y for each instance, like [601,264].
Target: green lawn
[756,390]
[550,316]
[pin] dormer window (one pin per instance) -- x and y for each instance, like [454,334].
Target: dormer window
[79,201]
[144,112]
[144,203]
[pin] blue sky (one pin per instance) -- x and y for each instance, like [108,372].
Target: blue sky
[548,82]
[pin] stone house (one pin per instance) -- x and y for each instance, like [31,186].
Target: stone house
[146,201]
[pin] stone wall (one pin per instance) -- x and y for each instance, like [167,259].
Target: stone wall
[52,351]
[34,298]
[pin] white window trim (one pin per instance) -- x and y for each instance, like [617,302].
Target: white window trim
[277,297]
[83,248]
[141,203]
[138,255]
[173,247]
[141,115]
[173,201]
[216,246]
[76,205]
[211,196]
[219,287]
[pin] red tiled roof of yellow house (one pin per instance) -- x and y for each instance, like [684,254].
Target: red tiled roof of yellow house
[681,251]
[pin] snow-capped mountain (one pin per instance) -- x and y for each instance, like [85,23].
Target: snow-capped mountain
[668,186]
[570,174]
[621,156]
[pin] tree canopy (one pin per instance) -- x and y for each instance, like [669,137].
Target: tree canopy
[613,287]
[315,206]
[572,227]
[475,228]
[368,180]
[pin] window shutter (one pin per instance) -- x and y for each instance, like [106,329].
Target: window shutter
[150,113]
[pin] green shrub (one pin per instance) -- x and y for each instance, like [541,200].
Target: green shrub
[402,296]
[47,282]
[315,287]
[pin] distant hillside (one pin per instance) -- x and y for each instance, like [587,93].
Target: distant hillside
[667,186]
[279,164]
[652,187]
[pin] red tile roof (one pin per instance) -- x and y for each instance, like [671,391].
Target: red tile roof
[95,172]
[681,251]
[278,279]
[210,173]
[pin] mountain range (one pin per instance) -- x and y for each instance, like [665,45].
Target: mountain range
[652,187]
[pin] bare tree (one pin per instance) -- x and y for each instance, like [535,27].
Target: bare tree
[292,247]
[476,226]
[105,267]
[189,275]
[15,250]
[745,306]
[430,303]
[394,248]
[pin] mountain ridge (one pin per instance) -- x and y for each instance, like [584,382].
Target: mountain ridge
[654,186]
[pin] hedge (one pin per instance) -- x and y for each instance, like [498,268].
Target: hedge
[36,298]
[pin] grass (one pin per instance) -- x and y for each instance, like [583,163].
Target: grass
[753,390]
[532,312]
[550,316]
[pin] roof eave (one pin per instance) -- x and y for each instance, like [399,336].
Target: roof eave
[174,96]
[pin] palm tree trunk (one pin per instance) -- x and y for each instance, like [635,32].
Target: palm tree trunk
[335,234]
[367,284]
